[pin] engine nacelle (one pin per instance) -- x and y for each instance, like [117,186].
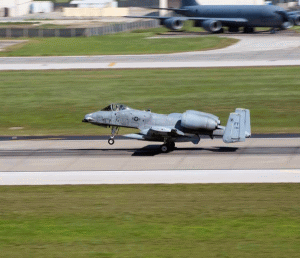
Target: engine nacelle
[212,25]
[194,121]
[173,23]
[287,24]
[296,19]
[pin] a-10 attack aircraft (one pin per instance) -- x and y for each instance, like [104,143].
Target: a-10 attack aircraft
[214,17]
[175,127]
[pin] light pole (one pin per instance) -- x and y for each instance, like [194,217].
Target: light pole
[164,4]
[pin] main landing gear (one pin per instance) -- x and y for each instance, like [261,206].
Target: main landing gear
[114,131]
[167,146]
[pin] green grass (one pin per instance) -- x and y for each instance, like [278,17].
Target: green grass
[240,220]
[55,102]
[137,42]
[297,28]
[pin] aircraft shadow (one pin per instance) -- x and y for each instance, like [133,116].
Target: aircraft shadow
[153,150]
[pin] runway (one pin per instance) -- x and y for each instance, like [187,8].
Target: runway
[130,155]
[252,50]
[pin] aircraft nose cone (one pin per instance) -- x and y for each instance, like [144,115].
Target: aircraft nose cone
[87,119]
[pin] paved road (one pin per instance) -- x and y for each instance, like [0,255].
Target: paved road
[150,177]
[252,50]
[126,155]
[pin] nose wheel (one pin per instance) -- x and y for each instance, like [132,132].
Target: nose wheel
[114,131]
[111,141]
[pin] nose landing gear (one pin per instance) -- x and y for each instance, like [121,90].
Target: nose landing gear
[114,131]
[111,141]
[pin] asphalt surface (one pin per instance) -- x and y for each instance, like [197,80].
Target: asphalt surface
[252,50]
[150,150]
[131,155]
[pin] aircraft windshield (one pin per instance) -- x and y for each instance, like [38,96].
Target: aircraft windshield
[115,107]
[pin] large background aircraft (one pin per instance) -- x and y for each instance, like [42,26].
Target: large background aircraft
[214,17]
[175,127]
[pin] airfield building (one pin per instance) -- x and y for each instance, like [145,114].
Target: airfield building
[14,8]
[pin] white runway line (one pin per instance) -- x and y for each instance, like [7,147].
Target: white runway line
[146,65]
[150,177]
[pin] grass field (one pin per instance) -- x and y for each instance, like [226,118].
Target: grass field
[55,102]
[241,220]
[137,42]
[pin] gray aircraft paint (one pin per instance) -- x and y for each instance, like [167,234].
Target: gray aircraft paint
[171,128]
[213,17]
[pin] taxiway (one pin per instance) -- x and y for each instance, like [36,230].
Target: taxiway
[251,50]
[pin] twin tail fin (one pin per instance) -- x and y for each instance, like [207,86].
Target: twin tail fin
[238,127]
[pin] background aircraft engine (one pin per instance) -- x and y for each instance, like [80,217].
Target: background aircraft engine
[212,25]
[287,25]
[173,23]
[194,121]
[296,19]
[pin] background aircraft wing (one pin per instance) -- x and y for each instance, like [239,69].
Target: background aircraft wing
[226,20]
[237,20]
[157,17]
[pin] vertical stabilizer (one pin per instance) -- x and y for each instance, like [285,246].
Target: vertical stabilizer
[246,118]
[238,126]
[189,3]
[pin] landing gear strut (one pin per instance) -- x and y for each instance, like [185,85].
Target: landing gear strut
[114,131]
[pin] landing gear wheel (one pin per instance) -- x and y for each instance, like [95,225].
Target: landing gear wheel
[164,148]
[111,141]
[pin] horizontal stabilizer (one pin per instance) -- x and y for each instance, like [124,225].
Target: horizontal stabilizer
[238,126]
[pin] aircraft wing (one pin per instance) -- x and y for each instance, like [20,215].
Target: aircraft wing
[155,17]
[231,20]
[164,131]
[156,133]
[169,9]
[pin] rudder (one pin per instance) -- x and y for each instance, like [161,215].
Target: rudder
[238,126]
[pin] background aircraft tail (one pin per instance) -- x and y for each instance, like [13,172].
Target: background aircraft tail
[238,126]
[188,3]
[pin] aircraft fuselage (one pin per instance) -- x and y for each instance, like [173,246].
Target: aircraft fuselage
[257,15]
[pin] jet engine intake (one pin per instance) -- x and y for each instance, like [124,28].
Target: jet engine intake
[296,19]
[288,24]
[173,23]
[194,121]
[212,25]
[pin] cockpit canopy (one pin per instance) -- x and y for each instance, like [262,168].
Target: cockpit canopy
[115,107]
